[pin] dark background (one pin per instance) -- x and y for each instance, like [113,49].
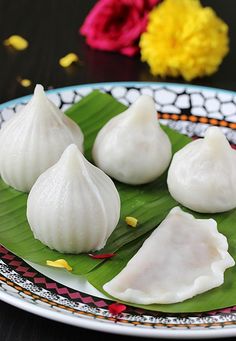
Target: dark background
[51,27]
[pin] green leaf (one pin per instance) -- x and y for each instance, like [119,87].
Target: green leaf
[148,203]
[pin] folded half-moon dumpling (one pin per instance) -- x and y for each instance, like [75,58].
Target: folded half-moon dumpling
[183,257]
[73,206]
[34,139]
[202,174]
[132,147]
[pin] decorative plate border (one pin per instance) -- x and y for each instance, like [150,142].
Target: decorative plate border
[188,109]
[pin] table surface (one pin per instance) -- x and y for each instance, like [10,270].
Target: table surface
[51,27]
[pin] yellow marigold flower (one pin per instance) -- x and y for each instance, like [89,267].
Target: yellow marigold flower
[184,39]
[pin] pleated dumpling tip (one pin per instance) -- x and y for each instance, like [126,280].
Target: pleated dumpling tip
[183,257]
[132,147]
[202,174]
[34,139]
[73,207]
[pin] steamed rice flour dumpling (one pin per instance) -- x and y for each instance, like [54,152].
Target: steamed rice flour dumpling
[183,257]
[73,206]
[202,175]
[34,139]
[132,147]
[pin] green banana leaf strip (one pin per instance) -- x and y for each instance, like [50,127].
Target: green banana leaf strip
[148,203]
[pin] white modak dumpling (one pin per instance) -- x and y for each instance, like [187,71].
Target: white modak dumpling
[183,257]
[132,147]
[34,139]
[73,206]
[202,174]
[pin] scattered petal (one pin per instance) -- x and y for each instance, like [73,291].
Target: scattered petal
[25,82]
[69,59]
[102,256]
[116,308]
[59,263]
[131,221]
[17,42]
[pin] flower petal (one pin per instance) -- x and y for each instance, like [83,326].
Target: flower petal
[131,221]
[59,263]
[116,308]
[17,42]
[68,59]
[25,82]
[102,256]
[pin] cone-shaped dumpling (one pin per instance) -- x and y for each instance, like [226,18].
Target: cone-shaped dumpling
[132,147]
[202,174]
[73,207]
[183,257]
[33,140]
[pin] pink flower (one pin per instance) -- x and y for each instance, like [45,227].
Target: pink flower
[116,25]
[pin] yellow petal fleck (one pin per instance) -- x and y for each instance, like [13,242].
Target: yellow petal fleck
[69,59]
[17,42]
[59,263]
[131,221]
[25,82]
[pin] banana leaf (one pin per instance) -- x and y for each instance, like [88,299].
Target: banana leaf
[148,203]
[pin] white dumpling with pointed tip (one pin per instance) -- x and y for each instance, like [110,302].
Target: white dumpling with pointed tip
[202,174]
[34,139]
[73,206]
[182,258]
[132,147]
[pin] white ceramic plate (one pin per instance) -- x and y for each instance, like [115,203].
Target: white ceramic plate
[58,295]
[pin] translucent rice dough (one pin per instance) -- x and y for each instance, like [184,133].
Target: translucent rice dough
[73,207]
[33,140]
[202,174]
[183,257]
[132,147]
